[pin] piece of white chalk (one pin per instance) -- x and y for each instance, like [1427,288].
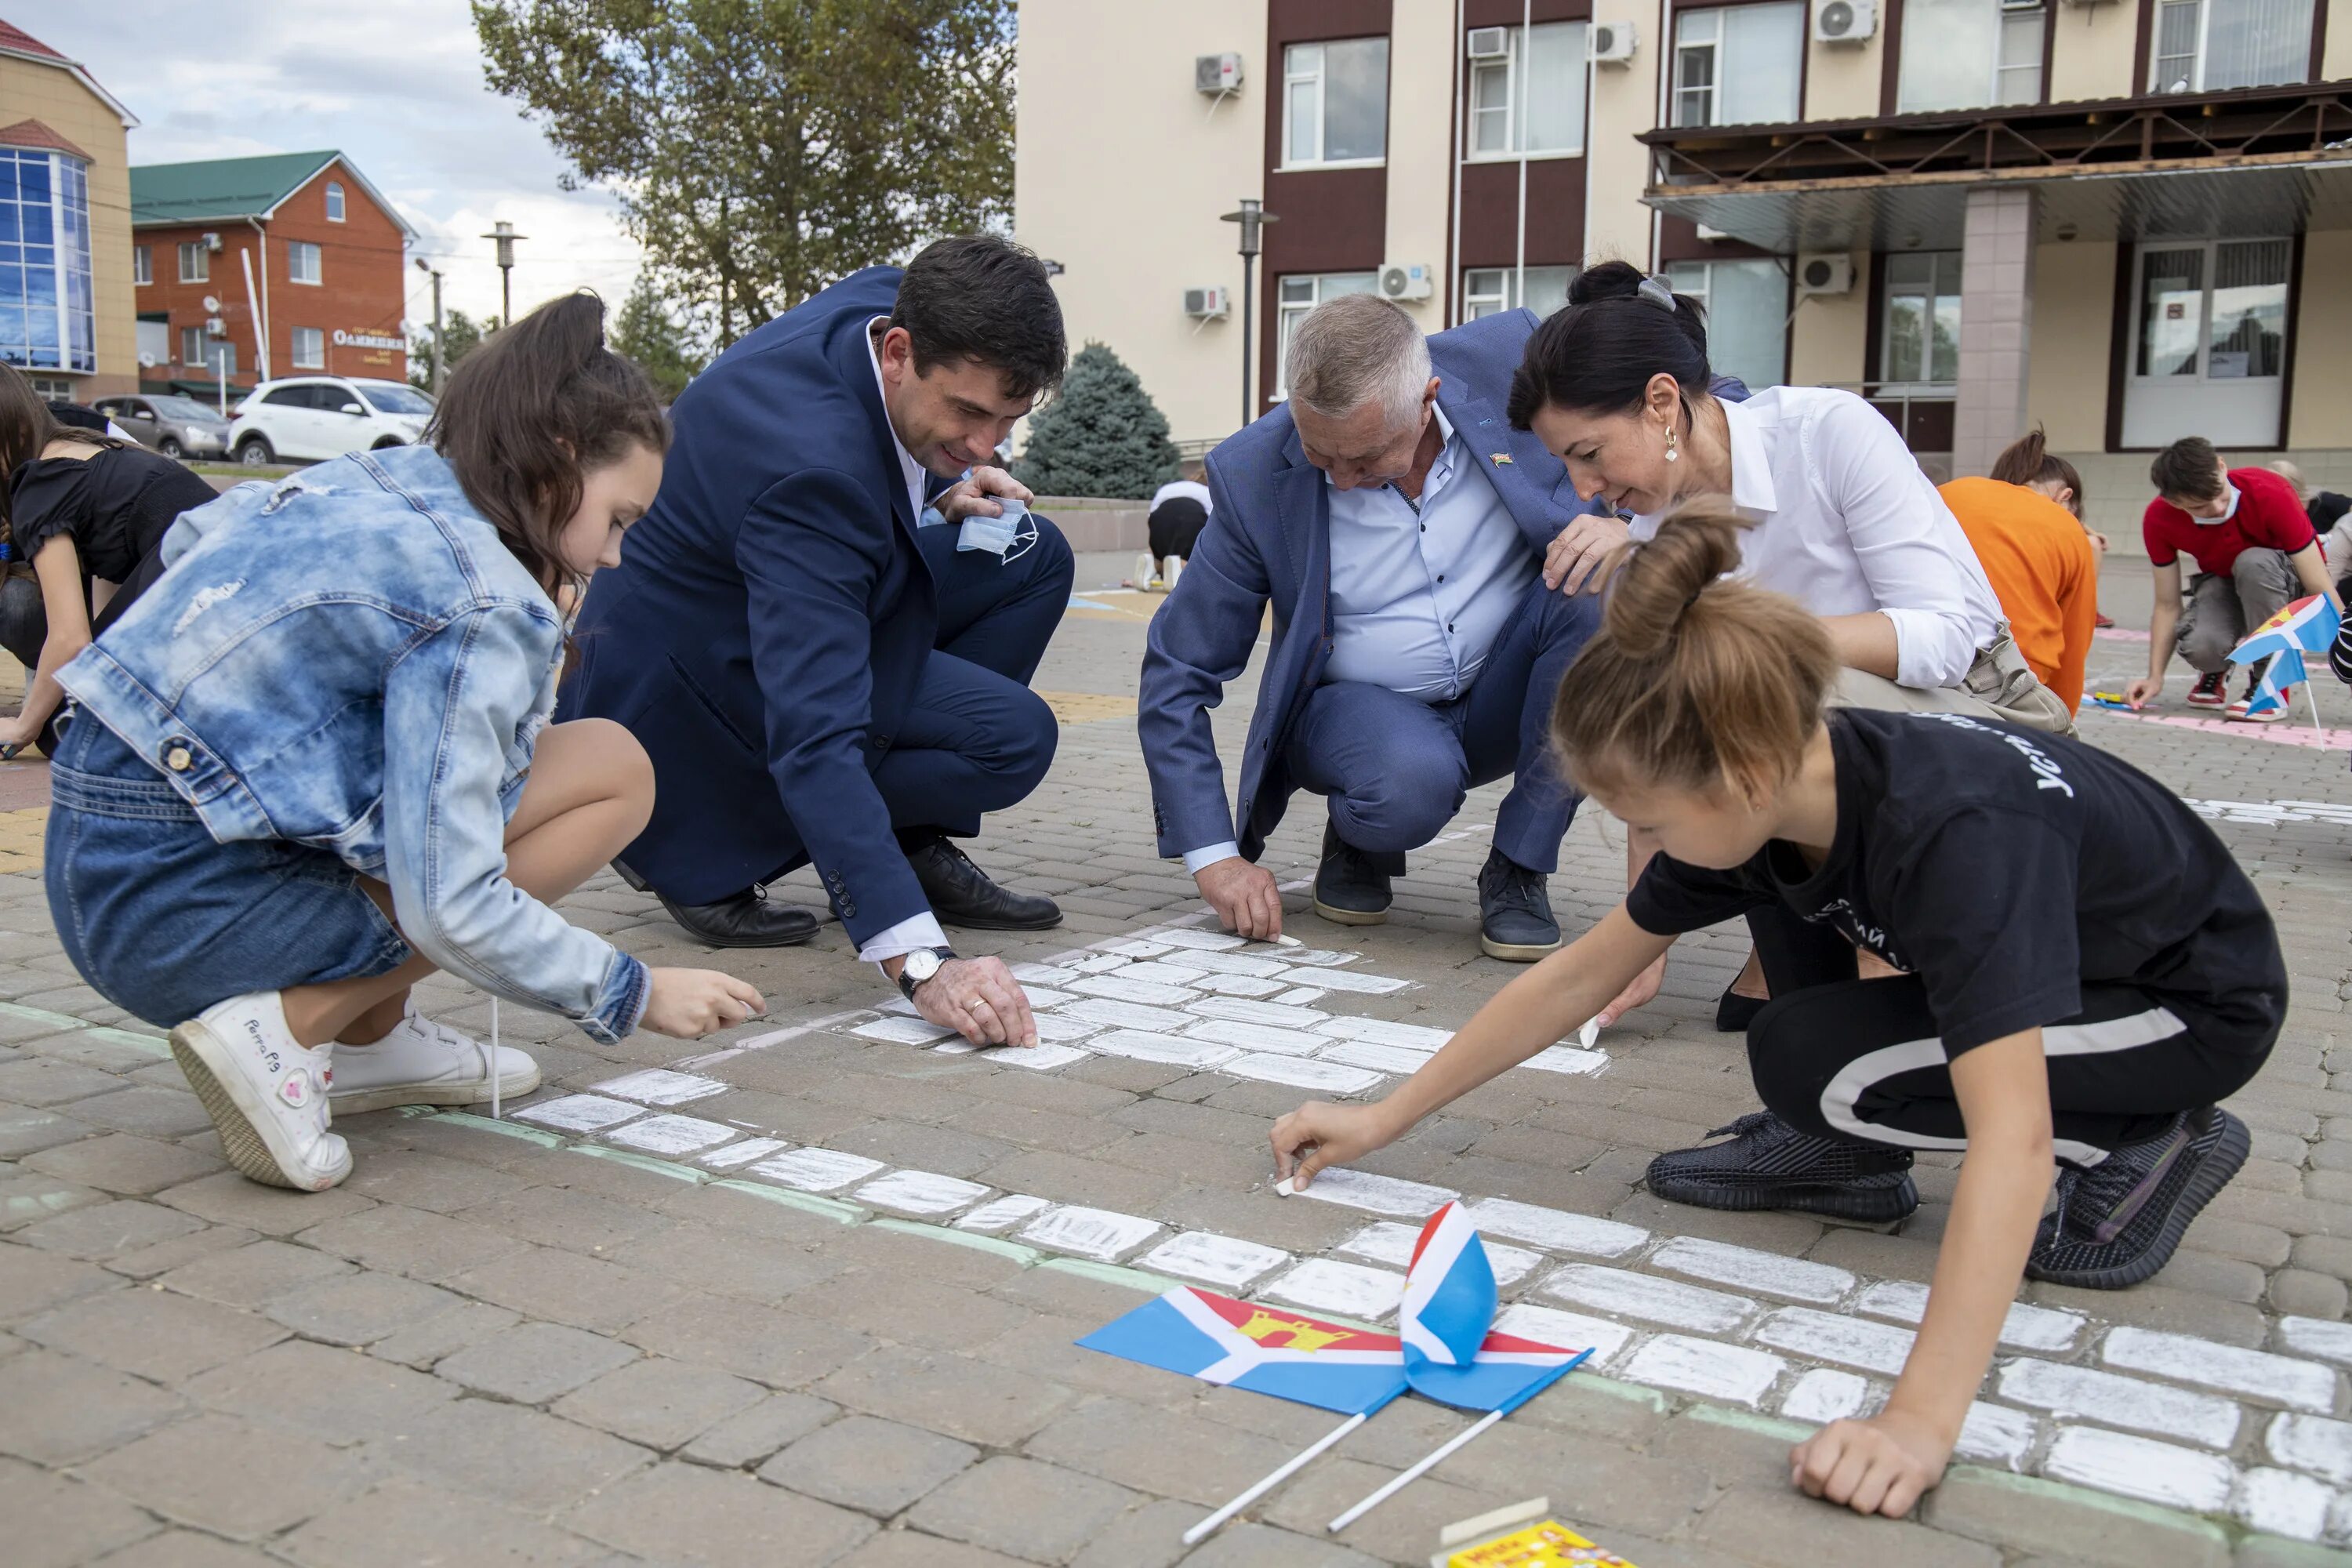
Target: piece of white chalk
[1590,1032]
[1283,1189]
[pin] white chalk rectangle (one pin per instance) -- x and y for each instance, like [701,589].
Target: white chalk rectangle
[1119,988]
[1345,980]
[1099,1234]
[1302,1072]
[1298,996]
[1099,963]
[903,1031]
[1273,1014]
[1992,1435]
[1380,1058]
[1379,1195]
[1847,1341]
[817,1170]
[1196,942]
[659,1086]
[1239,985]
[2313,1443]
[1161,972]
[2137,1468]
[1566,1060]
[920,1193]
[1745,1268]
[579,1113]
[1042,974]
[1385,1241]
[1712,1371]
[2280,1503]
[1557,1229]
[1822,1397]
[742,1153]
[1255,1036]
[1143,1047]
[1565,1330]
[1060,1029]
[2026,1328]
[2252,1375]
[1239,964]
[1125,1015]
[670,1134]
[1385,1032]
[2115,1401]
[1321,958]
[1319,1285]
[1225,1261]
[1043,996]
[1036,1059]
[2321,1337]
[1647,1297]
[998,1215]
[1130,947]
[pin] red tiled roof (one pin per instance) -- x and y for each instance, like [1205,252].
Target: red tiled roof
[33,133]
[16,38]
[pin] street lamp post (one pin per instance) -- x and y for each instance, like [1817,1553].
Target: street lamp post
[440,353]
[1251,216]
[503,232]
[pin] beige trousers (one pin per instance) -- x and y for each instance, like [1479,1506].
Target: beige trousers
[2000,685]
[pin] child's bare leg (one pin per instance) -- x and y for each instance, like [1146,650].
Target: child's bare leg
[589,793]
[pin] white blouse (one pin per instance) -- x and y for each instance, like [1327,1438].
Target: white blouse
[1846,523]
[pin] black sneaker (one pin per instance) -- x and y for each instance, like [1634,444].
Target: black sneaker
[2117,1222]
[961,893]
[2211,691]
[1515,920]
[1348,888]
[1769,1164]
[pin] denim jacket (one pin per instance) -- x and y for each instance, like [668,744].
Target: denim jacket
[352,659]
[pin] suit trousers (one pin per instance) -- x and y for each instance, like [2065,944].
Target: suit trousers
[1396,769]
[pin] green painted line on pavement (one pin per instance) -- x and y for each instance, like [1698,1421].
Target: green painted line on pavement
[42,1015]
[2107,1502]
[824,1208]
[1027,1257]
[670,1168]
[1749,1421]
[1133,1278]
[506,1128]
[154,1044]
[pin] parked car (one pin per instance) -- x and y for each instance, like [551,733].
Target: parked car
[174,426]
[314,418]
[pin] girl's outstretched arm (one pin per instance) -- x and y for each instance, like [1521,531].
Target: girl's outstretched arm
[1528,1015]
[1882,1464]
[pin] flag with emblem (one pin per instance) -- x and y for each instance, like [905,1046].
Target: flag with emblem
[2306,625]
[1446,1325]
[1266,1350]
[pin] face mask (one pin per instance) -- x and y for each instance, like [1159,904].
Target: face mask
[994,534]
[2226,512]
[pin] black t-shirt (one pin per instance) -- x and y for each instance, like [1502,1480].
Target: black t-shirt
[2006,869]
[117,503]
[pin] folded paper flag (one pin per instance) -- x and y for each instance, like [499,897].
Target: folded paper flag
[2306,625]
[1222,1341]
[1450,1353]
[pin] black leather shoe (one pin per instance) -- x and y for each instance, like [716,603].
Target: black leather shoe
[1348,888]
[1734,1013]
[1515,918]
[962,894]
[745,919]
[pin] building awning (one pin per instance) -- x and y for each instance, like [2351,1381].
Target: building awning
[2257,160]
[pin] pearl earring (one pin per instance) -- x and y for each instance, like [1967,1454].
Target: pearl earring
[1674,450]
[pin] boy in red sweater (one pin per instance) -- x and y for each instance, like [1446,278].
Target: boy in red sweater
[2254,551]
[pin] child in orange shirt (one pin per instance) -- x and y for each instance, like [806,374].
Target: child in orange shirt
[2025,523]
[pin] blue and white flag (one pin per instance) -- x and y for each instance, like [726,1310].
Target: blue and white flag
[1451,1352]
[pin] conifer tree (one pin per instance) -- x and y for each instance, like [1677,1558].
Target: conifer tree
[1100,436]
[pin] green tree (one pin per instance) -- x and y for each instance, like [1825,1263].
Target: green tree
[1100,436]
[763,149]
[647,334]
[461,335]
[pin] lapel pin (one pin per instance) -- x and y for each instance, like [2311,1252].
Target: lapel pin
[1500,459]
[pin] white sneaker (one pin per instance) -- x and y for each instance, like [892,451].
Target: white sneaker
[267,1094]
[421,1062]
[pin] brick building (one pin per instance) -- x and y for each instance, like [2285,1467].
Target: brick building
[298,243]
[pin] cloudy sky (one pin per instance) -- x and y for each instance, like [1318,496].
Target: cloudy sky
[396,86]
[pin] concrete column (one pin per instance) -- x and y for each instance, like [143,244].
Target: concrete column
[1996,319]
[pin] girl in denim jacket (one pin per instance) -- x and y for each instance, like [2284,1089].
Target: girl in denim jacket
[313,764]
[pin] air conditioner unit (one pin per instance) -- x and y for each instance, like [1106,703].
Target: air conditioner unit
[1845,21]
[1399,282]
[216,327]
[1490,43]
[1610,43]
[1824,273]
[1208,304]
[1217,74]
[212,241]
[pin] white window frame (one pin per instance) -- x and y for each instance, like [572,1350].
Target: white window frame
[192,334]
[1702,289]
[143,265]
[2209,275]
[317,360]
[1892,291]
[335,200]
[1292,304]
[1511,67]
[195,249]
[1494,289]
[2157,75]
[2013,19]
[1292,75]
[1713,48]
[295,249]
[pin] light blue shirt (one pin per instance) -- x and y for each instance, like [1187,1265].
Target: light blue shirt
[1420,593]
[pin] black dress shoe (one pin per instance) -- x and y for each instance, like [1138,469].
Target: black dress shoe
[1734,1013]
[1514,919]
[1348,888]
[745,919]
[962,894]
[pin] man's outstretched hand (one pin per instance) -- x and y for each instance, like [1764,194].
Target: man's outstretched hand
[1243,896]
[979,999]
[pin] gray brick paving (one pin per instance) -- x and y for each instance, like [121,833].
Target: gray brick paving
[489,1346]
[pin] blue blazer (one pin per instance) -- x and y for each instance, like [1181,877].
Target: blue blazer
[770,620]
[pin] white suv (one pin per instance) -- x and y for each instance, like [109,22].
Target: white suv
[309,417]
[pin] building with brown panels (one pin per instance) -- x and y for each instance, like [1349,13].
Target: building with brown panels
[2120,218]
[246,268]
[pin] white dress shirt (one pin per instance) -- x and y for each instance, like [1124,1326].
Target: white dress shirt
[1846,524]
[1420,590]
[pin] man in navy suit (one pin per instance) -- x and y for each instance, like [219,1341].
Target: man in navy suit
[1397,525]
[825,629]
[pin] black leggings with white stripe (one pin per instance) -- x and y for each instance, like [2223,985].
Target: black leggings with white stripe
[1860,1059]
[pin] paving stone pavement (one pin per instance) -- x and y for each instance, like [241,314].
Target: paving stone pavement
[808,1291]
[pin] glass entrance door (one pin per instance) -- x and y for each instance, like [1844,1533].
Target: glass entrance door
[2209,353]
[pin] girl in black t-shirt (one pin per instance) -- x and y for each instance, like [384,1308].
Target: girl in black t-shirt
[2087,972]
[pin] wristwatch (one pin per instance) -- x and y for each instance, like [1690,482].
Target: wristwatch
[921,965]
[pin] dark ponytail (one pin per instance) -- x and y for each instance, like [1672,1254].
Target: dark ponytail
[2028,461]
[533,408]
[1619,329]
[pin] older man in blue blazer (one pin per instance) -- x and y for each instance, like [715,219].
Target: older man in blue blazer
[1398,527]
[825,629]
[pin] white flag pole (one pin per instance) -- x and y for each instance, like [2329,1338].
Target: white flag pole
[1289,1468]
[1414,1473]
[2309,691]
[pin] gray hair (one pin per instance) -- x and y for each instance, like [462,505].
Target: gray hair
[1355,350]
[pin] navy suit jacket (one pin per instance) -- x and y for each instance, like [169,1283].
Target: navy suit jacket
[770,620]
